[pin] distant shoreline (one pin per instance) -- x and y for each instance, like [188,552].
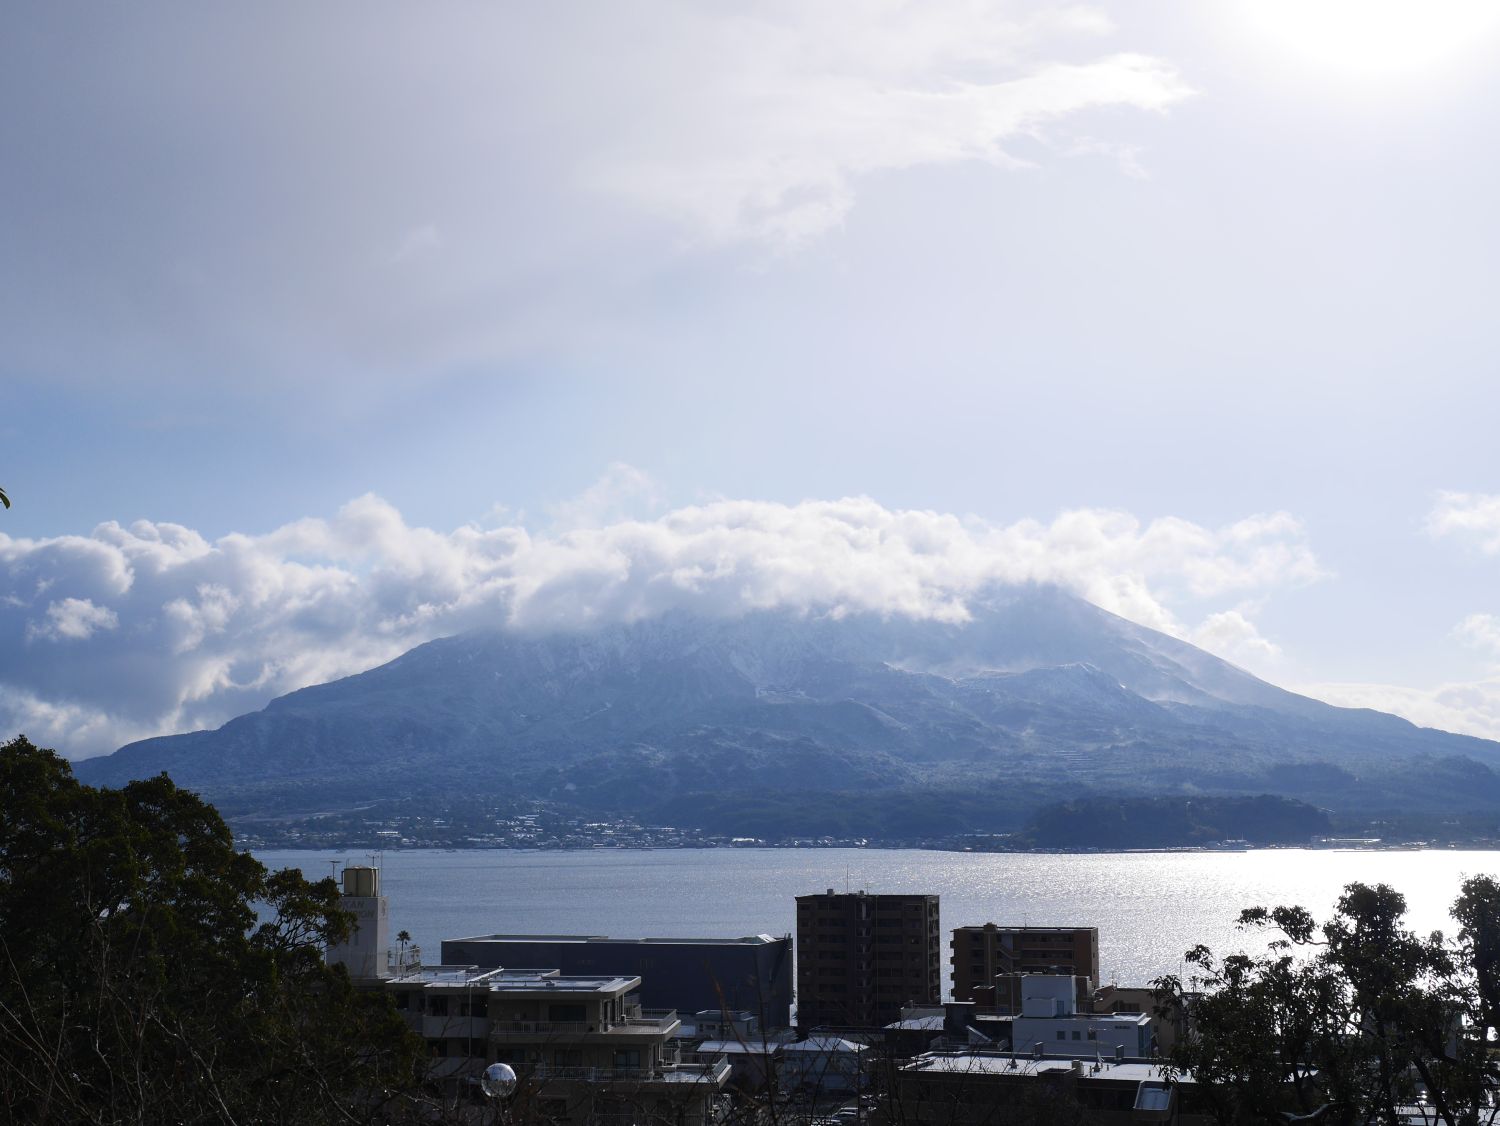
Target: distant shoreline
[1459,846]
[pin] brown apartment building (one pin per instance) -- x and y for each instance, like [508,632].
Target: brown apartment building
[860,957]
[992,957]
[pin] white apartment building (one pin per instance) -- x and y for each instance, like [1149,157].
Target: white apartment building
[1051,1023]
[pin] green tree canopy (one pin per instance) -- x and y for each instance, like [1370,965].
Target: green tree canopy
[1351,1019]
[139,982]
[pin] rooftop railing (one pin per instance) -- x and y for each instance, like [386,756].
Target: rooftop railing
[690,1069]
[647,1023]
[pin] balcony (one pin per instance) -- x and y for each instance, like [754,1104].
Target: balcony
[441,1027]
[713,1070]
[650,1024]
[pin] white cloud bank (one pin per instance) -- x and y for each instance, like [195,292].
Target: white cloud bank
[1467,707]
[139,630]
[72,619]
[481,182]
[1473,706]
[794,102]
[1471,516]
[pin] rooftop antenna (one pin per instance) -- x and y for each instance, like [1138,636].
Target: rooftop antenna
[333,869]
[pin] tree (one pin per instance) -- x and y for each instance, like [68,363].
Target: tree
[138,982]
[1350,1019]
[4,500]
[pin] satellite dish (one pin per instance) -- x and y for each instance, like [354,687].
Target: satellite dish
[498,1081]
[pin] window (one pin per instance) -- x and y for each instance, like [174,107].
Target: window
[1077,1035]
[1061,1035]
[627,1057]
[574,1013]
[437,1006]
[1093,1034]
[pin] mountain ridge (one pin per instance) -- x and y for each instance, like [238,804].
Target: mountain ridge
[1039,695]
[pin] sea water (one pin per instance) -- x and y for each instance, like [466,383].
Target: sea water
[1149,906]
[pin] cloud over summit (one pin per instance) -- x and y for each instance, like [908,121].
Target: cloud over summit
[149,628]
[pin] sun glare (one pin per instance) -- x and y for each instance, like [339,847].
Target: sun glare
[1374,39]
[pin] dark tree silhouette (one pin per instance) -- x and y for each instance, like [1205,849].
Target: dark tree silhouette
[137,983]
[1350,1019]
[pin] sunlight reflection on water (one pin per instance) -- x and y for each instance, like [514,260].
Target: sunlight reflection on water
[1149,907]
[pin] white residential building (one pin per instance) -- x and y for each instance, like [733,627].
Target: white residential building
[1051,1023]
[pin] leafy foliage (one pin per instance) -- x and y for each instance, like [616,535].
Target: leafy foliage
[1350,1019]
[136,983]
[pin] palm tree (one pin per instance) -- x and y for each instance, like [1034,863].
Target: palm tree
[402,938]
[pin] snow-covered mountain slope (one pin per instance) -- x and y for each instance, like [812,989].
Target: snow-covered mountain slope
[1040,693]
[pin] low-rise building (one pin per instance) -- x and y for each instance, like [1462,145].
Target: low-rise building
[752,1063]
[448,1006]
[961,1088]
[823,1065]
[719,1024]
[1167,1025]
[1050,1022]
[923,1028]
[992,957]
[583,1048]
[751,974]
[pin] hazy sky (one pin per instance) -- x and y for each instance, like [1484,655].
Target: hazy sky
[326,329]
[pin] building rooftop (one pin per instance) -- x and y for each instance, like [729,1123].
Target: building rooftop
[1101,1020]
[514,981]
[444,975]
[833,893]
[918,1024]
[747,940]
[823,1044]
[998,1063]
[738,1047]
[1029,929]
[580,983]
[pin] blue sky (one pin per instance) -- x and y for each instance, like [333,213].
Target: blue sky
[325,330]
